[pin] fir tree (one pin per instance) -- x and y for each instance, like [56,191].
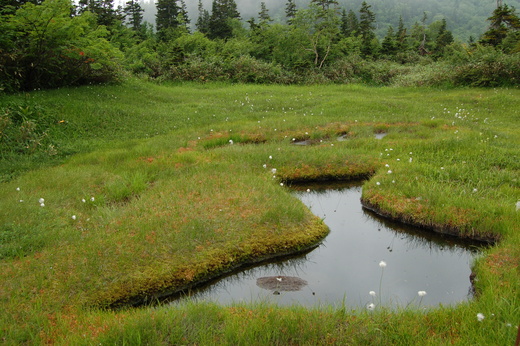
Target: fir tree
[324,4]
[263,15]
[444,38]
[389,44]
[202,24]
[290,11]
[349,24]
[166,18]
[401,36]
[134,15]
[221,13]
[366,26]
[503,21]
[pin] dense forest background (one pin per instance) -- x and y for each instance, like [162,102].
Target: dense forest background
[465,18]
[55,43]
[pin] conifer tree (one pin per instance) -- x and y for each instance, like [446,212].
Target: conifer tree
[103,9]
[166,18]
[290,11]
[202,24]
[401,36]
[349,23]
[134,14]
[324,4]
[389,44]
[444,38]
[503,21]
[263,15]
[366,26]
[222,12]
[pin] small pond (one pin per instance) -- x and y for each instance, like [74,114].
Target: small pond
[346,267]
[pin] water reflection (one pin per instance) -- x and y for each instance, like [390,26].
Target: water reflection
[344,269]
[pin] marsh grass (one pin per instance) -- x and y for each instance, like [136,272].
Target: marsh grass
[146,194]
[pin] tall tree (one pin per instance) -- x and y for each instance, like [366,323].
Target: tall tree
[166,18]
[503,21]
[184,19]
[444,38]
[367,19]
[349,23]
[290,11]
[263,15]
[222,12]
[324,4]
[401,36]
[389,44]
[134,14]
[202,24]
[103,9]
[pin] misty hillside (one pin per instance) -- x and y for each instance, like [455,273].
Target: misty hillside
[465,18]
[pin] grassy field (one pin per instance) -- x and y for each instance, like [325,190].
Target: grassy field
[112,195]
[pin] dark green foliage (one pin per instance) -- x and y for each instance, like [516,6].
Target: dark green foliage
[103,9]
[325,4]
[366,27]
[503,22]
[203,19]
[134,15]
[444,38]
[47,48]
[263,15]
[167,17]
[290,10]
[389,44]
[349,23]
[222,12]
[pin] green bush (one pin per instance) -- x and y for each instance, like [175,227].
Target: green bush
[44,47]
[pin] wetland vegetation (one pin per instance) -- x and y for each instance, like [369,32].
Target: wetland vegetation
[113,193]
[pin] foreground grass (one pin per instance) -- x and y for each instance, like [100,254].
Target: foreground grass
[178,186]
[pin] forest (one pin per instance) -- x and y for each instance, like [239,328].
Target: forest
[55,43]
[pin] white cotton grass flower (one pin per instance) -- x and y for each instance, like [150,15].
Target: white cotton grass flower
[270,157]
[42,205]
[17,189]
[378,183]
[372,293]
[83,200]
[41,200]
[382,264]
[231,142]
[518,206]
[421,293]
[480,317]
[73,217]
[371,306]
[273,170]
[92,199]
[389,172]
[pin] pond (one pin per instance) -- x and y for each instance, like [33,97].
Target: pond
[346,268]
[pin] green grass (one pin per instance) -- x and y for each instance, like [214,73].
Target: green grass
[145,194]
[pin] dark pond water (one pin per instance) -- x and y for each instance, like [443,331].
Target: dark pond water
[346,267]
